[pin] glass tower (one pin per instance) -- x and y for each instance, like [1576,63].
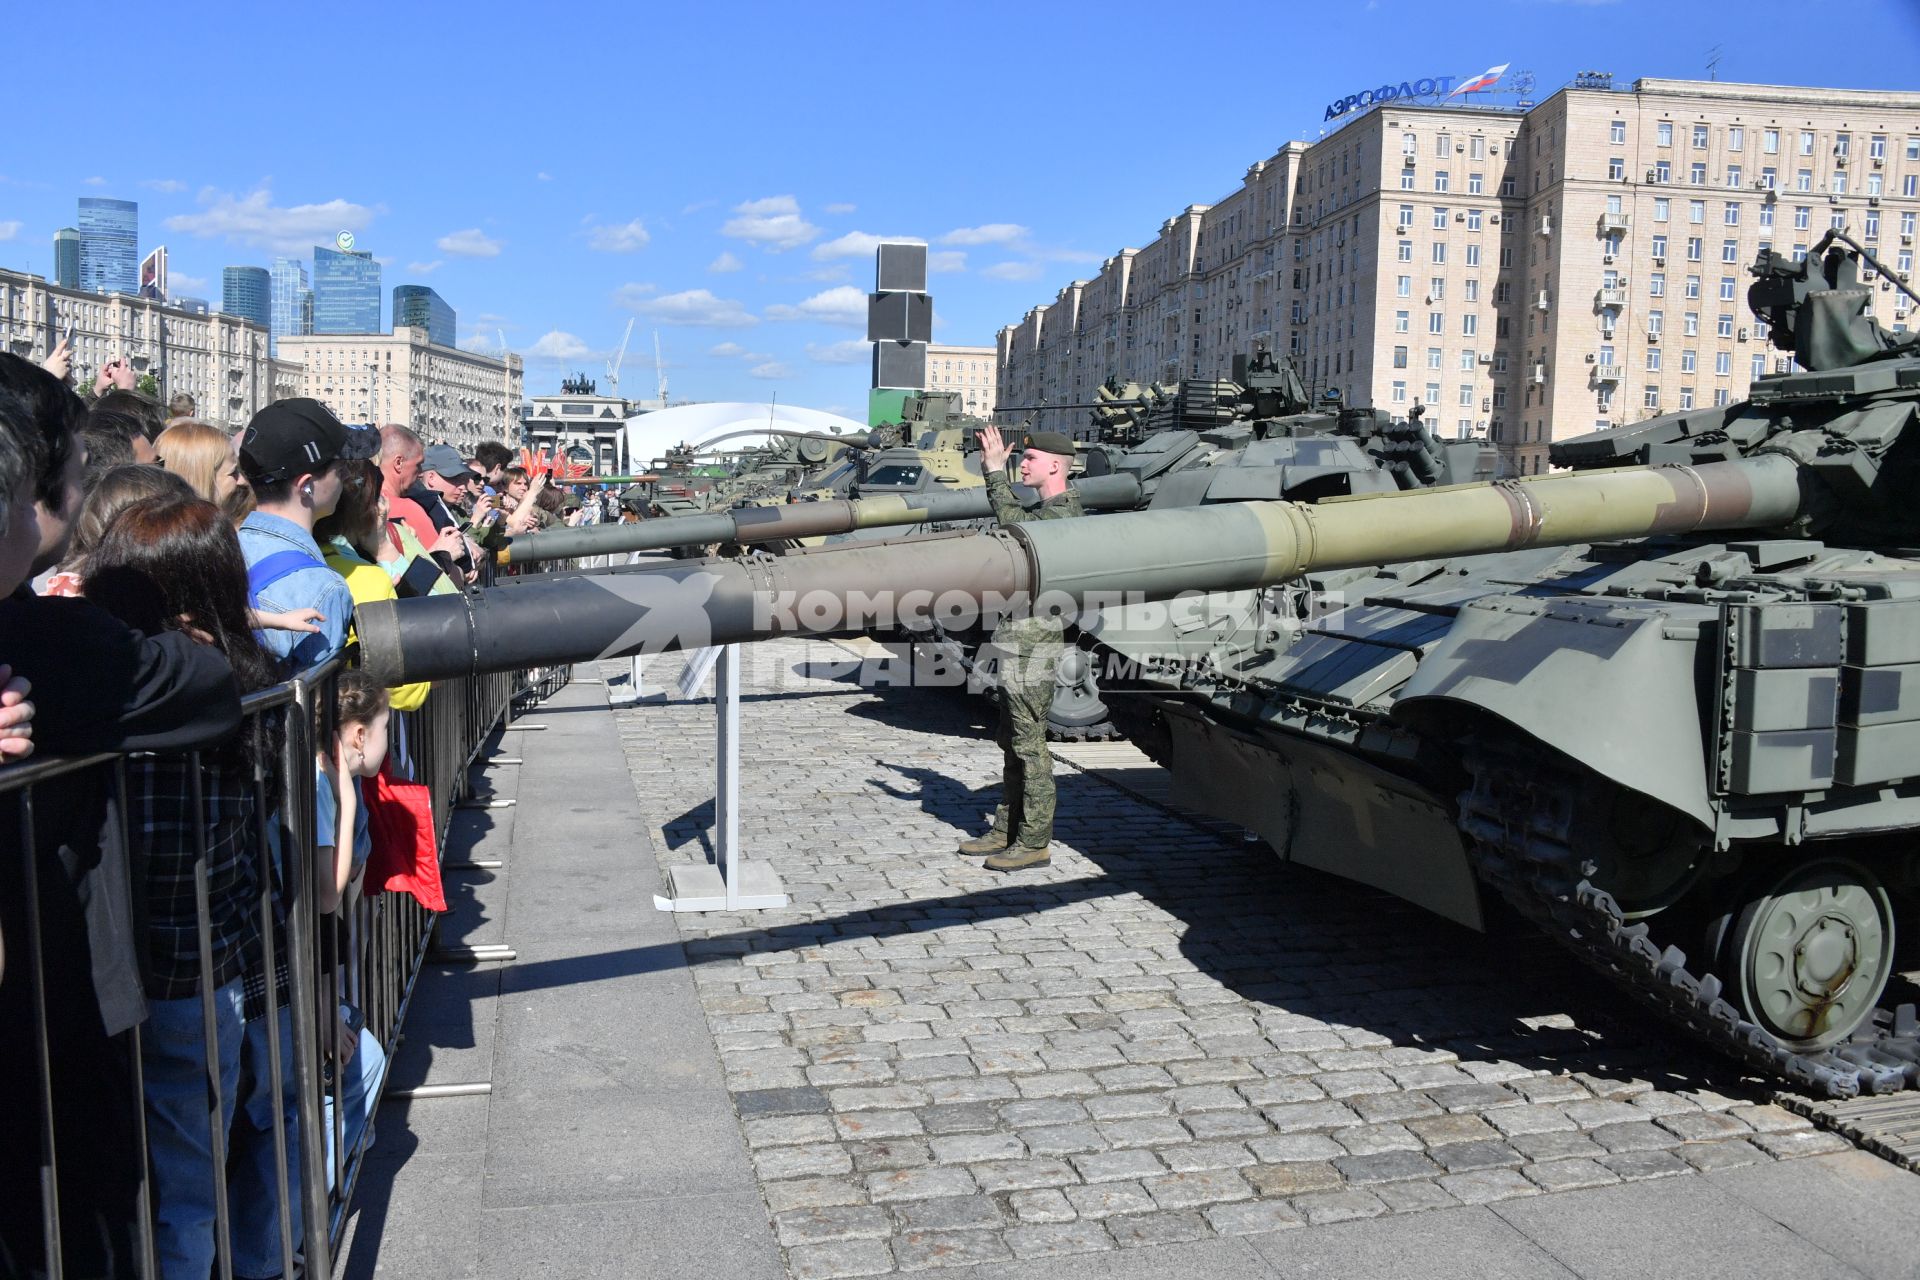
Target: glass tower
[346,292]
[292,300]
[109,240]
[421,307]
[66,258]
[247,292]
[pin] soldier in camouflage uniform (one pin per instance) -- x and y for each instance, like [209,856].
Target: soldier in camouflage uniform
[1028,649]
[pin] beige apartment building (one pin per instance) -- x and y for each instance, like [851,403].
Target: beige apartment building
[220,360]
[973,372]
[1529,274]
[443,393]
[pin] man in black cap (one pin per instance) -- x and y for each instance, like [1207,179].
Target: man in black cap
[1028,650]
[288,454]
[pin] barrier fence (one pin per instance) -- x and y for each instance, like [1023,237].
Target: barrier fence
[274,1113]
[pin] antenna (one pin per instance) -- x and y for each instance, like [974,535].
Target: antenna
[1713,63]
[659,370]
[613,365]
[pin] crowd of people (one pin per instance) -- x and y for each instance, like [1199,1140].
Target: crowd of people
[154,570]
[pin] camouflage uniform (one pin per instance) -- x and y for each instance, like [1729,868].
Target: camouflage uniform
[1028,650]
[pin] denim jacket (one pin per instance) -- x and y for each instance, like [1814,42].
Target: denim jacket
[319,588]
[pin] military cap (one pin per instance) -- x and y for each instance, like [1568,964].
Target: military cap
[1057,442]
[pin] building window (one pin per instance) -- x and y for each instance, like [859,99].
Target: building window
[1723,363]
[1661,208]
[1617,131]
[1440,180]
[1439,218]
[1470,325]
[1406,180]
[1766,215]
[1466,360]
[1403,252]
[1466,395]
[1806,143]
[1434,357]
[1770,141]
[1662,171]
[1757,367]
[1399,357]
[1726,289]
[1733,175]
[1686,398]
[1736,138]
[1657,284]
[1843,144]
[1729,251]
[1436,288]
[1802,218]
[1687,360]
[1436,322]
[1399,392]
[1472,288]
[1476,184]
[1651,399]
[1406,217]
[1473,219]
[1659,244]
[1439,252]
[1663,133]
[1403,287]
[1693,248]
[1476,147]
[1616,167]
[1723,327]
[1653,359]
[1400,321]
[1690,324]
[1697,174]
[1732,214]
[1696,211]
[1442,146]
[1803,179]
[1654,320]
[1769,178]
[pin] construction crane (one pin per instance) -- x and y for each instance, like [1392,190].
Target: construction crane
[613,365]
[659,370]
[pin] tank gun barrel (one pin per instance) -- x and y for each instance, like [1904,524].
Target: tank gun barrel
[1149,554]
[748,525]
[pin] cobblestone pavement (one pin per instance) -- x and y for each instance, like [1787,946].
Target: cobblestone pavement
[1164,1036]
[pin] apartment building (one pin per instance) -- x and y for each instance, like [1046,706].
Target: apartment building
[967,371]
[444,393]
[220,360]
[1528,274]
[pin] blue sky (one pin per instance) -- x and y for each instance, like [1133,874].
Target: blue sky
[719,172]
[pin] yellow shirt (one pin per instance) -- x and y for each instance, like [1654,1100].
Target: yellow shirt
[369,582]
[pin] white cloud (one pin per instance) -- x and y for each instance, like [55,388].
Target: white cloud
[1012,271]
[8,230]
[1071,255]
[773,223]
[180,283]
[839,208]
[254,220]
[771,369]
[423,268]
[627,238]
[94,182]
[724,263]
[857,244]
[169,186]
[832,274]
[842,305]
[727,350]
[946,261]
[851,351]
[543,176]
[470,243]
[480,342]
[989,233]
[385,260]
[690,307]
[557,344]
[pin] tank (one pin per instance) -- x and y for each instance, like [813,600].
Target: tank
[1666,703]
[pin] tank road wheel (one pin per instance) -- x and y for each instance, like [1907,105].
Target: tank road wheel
[1077,713]
[1643,853]
[1810,951]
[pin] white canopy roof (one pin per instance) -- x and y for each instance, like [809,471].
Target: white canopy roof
[650,435]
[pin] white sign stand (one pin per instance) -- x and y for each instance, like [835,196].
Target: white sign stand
[729,882]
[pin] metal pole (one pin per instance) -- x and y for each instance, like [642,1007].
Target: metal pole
[726,692]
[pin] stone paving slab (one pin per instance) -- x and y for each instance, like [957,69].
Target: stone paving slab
[1163,1043]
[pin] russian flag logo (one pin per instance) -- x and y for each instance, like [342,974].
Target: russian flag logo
[1485,80]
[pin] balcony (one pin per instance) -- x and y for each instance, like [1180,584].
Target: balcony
[1604,297]
[1541,301]
[1614,223]
[1544,227]
[1606,374]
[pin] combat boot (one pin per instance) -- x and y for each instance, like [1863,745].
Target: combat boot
[1019,857]
[991,842]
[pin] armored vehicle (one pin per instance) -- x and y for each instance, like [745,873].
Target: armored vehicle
[1695,760]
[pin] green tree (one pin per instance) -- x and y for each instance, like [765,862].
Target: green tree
[147,387]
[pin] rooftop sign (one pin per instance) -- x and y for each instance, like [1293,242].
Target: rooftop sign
[1440,87]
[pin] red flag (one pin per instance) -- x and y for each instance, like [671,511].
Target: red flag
[406,856]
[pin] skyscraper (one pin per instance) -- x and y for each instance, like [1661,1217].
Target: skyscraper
[66,258]
[292,300]
[346,291]
[109,245]
[421,307]
[247,292]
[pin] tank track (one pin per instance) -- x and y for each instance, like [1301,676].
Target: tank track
[1516,816]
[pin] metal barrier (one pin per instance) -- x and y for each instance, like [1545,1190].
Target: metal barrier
[365,956]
